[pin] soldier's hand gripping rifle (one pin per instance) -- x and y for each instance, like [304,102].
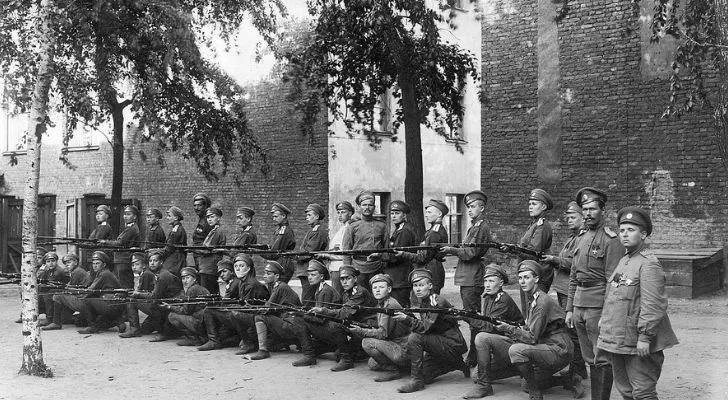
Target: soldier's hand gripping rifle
[455,312]
[508,248]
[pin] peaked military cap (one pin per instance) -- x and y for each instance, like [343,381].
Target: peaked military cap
[381,278]
[273,267]
[636,216]
[101,256]
[542,196]
[50,254]
[132,208]
[317,209]
[348,270]
[247,211]
[225,264]
[244,257]
[214,211]
[188,271]
[203,197]
[104,208]
[496,270]
[475,195]
[419,274]
[345,205]
[316,265]
[155,212]
[399,205]
[572,208]
[530,265]
[70,256]
[138,255]
[589,194]
[280,207]
[365,195]
[439,205]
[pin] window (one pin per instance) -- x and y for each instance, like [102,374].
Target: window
[12,131]
[381,204]
[454,220]
[84,137]
[455,134]
[382,114]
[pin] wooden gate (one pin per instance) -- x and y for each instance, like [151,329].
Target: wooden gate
[11,228]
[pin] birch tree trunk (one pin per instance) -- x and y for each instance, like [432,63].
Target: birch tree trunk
[33,363]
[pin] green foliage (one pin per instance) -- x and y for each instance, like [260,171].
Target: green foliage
[145,54]
[354,51]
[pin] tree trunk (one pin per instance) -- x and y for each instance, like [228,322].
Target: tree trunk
[117,175]
[721,110]
[32,344]
[413,181]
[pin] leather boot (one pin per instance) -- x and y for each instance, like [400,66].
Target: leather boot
[309,357]
[388,376]
[601,381]
[526,370]
[213,341]
[413,386]
[572,382]
[345,362]
[51,327]
[132,332]
[478,391]
[210,345]
[262,332]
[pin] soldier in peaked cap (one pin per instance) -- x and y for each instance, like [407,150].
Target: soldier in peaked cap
[344,211]
[634,333]
[436,345]
[316,239]
[129,237]
[542,343]
[538,235]
[596,254]
[175,257]
[219,324]
[100,313]
[470,267]
[429,259]
[561,265]
[387,343]
[396,265]
[207,262]
[154,235]
[187,318]
[103,230]
[366,233]
[283,240]
[499,305]
[244,220]
[331,333]
[201,202]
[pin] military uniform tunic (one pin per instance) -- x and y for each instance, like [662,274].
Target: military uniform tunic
[429,259]
[175,258]
[470,268]
[283,240]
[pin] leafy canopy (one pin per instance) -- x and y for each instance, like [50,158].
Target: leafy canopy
[354,51]
[145,54]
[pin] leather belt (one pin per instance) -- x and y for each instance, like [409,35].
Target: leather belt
[588,284]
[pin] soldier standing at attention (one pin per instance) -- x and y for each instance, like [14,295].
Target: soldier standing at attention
[201,202]
[245,235]
[597,253]
[129,237]
[539,235]
[430,259]
[398,266]
[283,240]
[561,265]
[470,267]
[154,236]
[366,233]
[316,239]
[103,230]
[635,329]
[175,258]
[208,261]
[344,211]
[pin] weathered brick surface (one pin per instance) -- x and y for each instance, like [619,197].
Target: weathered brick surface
[613,136]
[298,174]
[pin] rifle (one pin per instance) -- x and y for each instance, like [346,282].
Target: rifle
[501,247]
[307,311]
[211,299]
[455,312]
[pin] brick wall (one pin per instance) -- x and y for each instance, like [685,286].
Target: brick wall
[613,136]
[298,174]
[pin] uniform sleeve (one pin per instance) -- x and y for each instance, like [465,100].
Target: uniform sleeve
[127,238]
[543,237]
[347,242]
[406,238]
[473,253]
[653,302]
[615,251]
[359,299]
[536,325]
[572,290]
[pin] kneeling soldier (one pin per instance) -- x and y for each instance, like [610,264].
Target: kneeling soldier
[499,305]
[67,303]
[543,343]
[219,323]
[334,333]
[386,344]
[98,311]
[187,318]
[435,346]
[280,325]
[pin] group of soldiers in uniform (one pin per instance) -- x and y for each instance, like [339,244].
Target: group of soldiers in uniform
[609,312]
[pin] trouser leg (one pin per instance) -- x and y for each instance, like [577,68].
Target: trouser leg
[577,365]
[336,282]
[387,354]
[472,297]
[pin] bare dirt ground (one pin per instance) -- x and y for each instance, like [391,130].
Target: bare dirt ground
[104,366]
